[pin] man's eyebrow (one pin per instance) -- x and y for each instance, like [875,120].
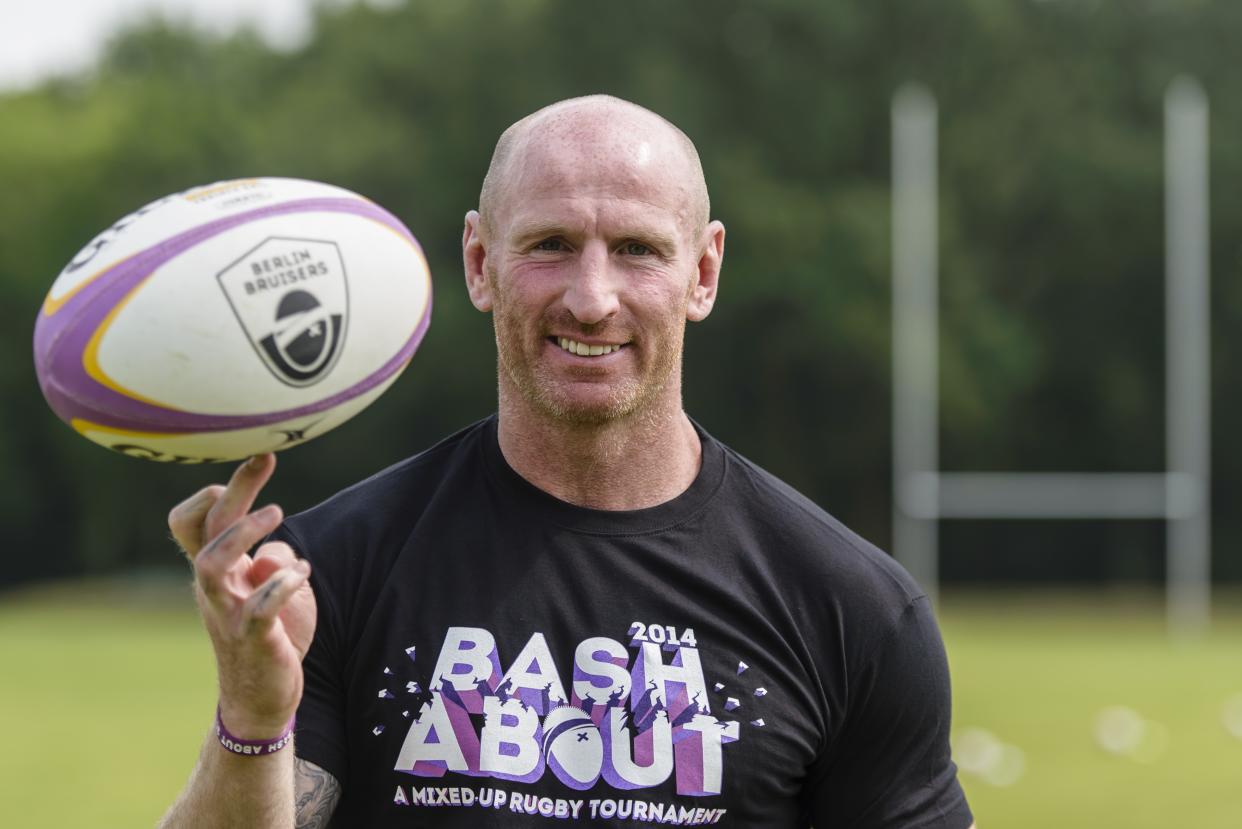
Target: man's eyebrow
[536,230]
[658,238]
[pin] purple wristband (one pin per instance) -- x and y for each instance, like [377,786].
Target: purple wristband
[252,748]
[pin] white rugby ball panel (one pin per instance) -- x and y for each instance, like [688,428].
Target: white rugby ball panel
[247,359]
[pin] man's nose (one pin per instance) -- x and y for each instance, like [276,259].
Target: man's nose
[591,296]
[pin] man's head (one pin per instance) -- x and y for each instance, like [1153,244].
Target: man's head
[592,234]
[609,124]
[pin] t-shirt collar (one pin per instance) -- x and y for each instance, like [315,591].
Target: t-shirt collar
[543,505]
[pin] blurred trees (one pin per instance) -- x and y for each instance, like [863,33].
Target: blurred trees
[1051,233]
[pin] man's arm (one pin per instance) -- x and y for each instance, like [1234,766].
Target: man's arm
[260,614]
[317,795]
[278,790]
[889,767]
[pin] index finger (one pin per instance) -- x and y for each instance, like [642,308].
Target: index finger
[240,494]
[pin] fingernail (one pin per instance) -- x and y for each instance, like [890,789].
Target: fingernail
[303,566]
[270,512]
[255,463]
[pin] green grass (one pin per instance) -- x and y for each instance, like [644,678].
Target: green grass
[1036,672]
[103,707]
[104,702]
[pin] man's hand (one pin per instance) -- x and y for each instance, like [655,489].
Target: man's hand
[260,613]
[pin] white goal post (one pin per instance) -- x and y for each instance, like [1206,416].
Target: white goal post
[923,494]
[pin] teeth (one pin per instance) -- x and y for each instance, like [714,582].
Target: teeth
[584,350]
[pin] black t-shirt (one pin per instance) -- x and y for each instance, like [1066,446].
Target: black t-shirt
[490,656]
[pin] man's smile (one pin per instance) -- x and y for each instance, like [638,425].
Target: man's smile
[584,349]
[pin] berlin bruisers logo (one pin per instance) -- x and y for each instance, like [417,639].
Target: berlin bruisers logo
[292,301]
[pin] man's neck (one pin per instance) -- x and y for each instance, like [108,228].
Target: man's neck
[629,463]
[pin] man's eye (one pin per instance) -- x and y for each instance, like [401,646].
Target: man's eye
[550,245]
[637,249]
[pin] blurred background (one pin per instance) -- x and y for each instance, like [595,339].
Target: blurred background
[1074,705]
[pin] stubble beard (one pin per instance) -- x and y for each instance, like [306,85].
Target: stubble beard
[631,398]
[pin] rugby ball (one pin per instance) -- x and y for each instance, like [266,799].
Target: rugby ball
[240,317]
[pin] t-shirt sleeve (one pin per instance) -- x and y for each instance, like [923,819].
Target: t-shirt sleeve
[890,766]
[320,729]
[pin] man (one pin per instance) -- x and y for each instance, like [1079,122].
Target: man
[585,607]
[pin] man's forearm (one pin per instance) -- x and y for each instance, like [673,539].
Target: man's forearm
[237,792]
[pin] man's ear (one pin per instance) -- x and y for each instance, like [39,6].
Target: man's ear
[703,291]
[474,258]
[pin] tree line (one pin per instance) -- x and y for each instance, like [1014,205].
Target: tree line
[1051,233]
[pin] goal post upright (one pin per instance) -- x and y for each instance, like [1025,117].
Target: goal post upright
[1188,356]
[915,406]
[923,494]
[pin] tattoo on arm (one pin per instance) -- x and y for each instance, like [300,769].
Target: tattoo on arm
[317,794]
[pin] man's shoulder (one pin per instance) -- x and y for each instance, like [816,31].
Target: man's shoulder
[810,540]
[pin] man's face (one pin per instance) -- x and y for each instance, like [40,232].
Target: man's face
[591,264]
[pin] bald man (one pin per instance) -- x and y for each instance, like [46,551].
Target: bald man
[584,607]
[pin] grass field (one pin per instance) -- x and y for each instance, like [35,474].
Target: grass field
[1037,672]
[104,702]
